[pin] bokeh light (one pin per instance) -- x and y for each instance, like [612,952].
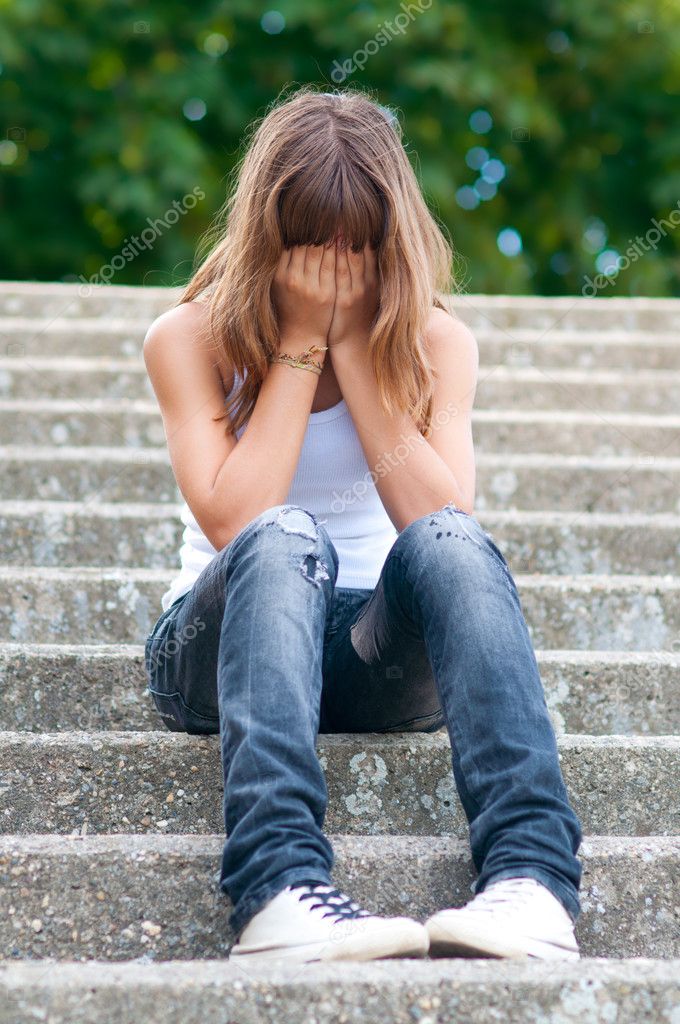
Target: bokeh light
[481,122]
[194,109]
[558,41]
[467,198]
[485,189]
[476,157]
[607,262]
[594,235]
[215,44]
[272,22]
[560,263]
[509,242]
[493,171]
[8,152]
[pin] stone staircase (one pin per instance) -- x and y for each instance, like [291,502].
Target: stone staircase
[111,825]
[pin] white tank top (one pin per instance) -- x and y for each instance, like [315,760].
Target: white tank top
[332,480]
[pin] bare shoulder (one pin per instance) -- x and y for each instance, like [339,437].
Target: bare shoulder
[447,337]
[180,334]
[180,327]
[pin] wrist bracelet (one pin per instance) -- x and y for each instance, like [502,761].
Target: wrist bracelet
[304,360]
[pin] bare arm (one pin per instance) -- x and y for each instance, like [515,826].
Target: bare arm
[415,475]
[228,481]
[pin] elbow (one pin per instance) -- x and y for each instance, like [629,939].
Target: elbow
[219,541]
[220,536]
[218,531]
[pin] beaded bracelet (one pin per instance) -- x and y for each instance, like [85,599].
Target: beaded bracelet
[303,360]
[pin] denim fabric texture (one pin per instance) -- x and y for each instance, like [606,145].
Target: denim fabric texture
[266,651]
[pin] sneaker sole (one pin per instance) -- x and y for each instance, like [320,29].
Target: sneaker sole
[449,939]
[365,947]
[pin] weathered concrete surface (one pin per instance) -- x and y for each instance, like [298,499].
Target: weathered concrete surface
[150,892]
[121,336]
[378,784]
[507,312]
[109,422]
[119,534]
[74,376]
[500,386]
[485,312]
[50,301]
[46,687]
[642,390]
[577,483]
[389,992]
[568,433]
[581,349]
[138,423]
[111,337]
[93,605]
[532,482]
[621,692]
[115,897]
[91,474]
[576,543]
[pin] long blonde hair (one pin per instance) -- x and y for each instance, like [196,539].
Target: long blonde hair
[318,163]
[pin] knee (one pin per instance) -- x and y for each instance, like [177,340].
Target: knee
[292,530]
[448,537]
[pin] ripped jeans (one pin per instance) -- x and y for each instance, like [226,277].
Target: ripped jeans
[266,651]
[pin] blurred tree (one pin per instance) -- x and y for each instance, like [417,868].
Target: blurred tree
[544,132]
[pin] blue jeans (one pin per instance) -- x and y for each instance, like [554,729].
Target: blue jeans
[267,652]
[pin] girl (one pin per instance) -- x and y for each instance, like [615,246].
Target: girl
[316,398]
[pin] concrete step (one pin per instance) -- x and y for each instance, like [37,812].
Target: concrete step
[587,692]
[581,349]
[589,390]
[499,387]
[584,348]
[95,605]
[87,421]
[568,313]
[114,897]
[37,301]
[149,535]
[603,313]
[581,483]
[71,377]
[92,474]
[99,337]
[563,483]
[140,782]
[392,992]
[109,422]
[573,433]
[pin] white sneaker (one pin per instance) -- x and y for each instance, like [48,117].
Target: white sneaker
[514,917]
[314,921]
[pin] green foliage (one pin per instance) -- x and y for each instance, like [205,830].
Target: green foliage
[113,111]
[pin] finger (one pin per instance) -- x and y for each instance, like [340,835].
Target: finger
[282,265]
[327,267]
[343,276]
[296,267]
[313,256]
[356,267]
